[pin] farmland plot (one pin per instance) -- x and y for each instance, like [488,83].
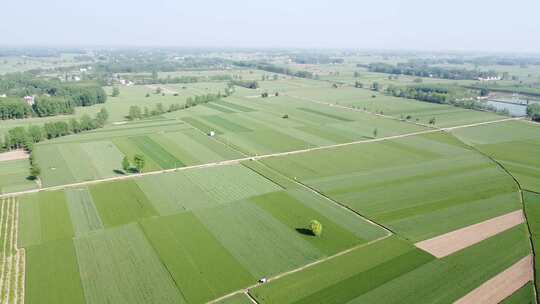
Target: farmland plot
[119,266]
[392,271]
[193,189]
[75,162]
[201,267]
[297,215]
[13,176]
[453,187]
[445,115]
[83,212]
[343,278]
[532,209]
[58,260]
[44,217]
[12,258]
[120,202]
[260,243]
[515,144]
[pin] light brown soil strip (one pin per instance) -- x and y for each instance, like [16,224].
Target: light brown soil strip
[456,240]
[502,285]
[14,155]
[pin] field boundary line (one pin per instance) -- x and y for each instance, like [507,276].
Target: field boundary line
[251,298]
[341,205]
[286,273]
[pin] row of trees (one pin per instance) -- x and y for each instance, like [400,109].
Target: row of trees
[135,112]
[11,108]
[440,95]
[138,163]
[181,79]
[423,93]
[412,69]
[25,138]
[268,67]
[248,84]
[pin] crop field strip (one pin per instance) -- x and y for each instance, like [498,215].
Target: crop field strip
[12,258]
[502,285]
[394,276]
[420,215]
[448,243]
[111,221]
[237,160]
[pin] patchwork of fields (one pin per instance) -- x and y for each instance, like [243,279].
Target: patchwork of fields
[197,235]
[207,234]
[418,187]
[515,144]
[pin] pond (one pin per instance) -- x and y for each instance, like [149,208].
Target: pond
[513,108]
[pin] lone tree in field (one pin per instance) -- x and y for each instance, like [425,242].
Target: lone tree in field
[375,133]
[35,171]
[139,162]
[125,164]
[533,111]
[432,121]
[315,227]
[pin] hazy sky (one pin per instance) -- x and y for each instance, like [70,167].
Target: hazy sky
[492,25]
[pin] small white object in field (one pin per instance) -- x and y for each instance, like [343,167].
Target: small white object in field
[212,133]
[263,280]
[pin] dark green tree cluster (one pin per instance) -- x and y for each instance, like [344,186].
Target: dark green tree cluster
[245,83]
[199,99]
[441,95]
[533,111]
[25,138]
[268,67]
[52,96]
[420,70]
[423,93]
[51,106]
[11,108]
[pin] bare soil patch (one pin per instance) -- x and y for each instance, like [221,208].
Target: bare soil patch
[502,285]
[14,155]
[456,240]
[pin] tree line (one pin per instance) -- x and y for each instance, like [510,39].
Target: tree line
[268,67]
[440,95]
[412,69]
[135,112]
[248,84]
[26,137]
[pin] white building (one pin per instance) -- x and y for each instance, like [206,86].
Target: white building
[29,100]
